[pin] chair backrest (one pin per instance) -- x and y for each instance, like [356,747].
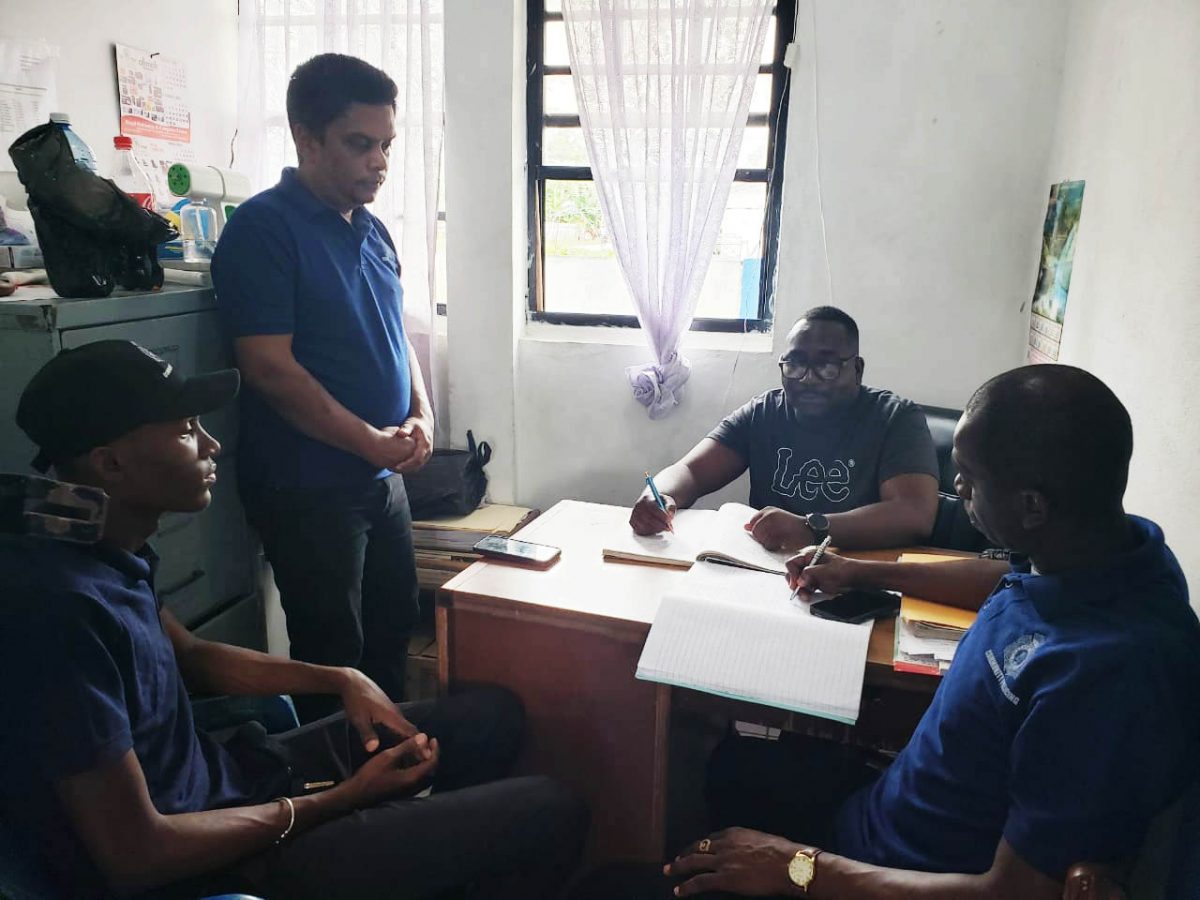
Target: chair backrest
[1167,866]
[942,422]
[952,529]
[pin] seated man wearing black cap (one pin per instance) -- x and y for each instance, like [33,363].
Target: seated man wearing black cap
[107,780]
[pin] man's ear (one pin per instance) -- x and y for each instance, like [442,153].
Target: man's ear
[106,463]
[1035,510]
[304,140]
[860,366]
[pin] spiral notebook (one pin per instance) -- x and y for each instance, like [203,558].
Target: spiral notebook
[737,633]
[700,534]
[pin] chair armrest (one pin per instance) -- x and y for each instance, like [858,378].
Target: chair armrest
[1086,881]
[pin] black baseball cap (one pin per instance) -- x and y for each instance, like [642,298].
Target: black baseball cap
[94,394]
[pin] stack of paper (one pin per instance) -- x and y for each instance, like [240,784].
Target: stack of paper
[719,536]
[927,634]
[736,633]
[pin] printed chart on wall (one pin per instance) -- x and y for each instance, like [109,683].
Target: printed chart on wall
[1054,275]
[27,90]
[156,112]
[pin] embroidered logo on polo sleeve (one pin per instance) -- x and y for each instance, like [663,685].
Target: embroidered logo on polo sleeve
[1016,657]
[1019,652]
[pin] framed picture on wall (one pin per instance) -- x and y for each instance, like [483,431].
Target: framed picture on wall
[1054,272]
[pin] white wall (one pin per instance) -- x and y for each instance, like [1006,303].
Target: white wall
[1129,124]
[929,123]
[485,240]
[203,35]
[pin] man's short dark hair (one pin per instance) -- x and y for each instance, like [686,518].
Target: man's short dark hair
[1059,430]
[323,88]
[833,314]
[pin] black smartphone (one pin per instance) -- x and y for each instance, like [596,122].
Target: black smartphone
[540,555]
[857,606]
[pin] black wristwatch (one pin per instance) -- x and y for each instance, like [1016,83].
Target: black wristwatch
[818,524]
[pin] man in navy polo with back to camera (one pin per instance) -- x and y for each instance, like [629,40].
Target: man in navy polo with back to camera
[1068,721]
[334,406]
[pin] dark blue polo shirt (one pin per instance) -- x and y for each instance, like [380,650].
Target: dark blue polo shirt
[288,264]
[88,674]
[1066,723]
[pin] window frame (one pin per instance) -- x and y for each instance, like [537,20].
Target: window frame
[538,174]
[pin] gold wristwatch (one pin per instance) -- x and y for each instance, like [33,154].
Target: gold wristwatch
[802,868]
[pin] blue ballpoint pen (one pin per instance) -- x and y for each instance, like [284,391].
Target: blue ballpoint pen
[662,504]
[654,490]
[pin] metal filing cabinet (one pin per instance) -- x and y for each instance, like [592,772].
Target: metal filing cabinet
[209,570]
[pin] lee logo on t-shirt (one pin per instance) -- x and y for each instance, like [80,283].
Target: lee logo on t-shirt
[812,478]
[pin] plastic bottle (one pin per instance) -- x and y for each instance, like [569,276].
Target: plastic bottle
[129,176]
[84,157]
[198,227]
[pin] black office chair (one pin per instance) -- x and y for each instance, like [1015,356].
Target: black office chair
[952,529]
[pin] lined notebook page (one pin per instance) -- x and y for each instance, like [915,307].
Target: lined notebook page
[722,583]
[728,536]
[693,529]
[775,654]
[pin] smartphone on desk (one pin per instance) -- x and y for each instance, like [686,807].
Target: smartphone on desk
[857,606]
[540,556]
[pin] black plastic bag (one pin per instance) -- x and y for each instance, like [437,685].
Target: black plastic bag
[452,483]
[93,235]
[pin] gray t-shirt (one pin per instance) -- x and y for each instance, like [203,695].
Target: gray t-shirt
[832,464]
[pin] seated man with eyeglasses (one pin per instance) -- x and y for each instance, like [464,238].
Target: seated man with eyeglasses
[827,455]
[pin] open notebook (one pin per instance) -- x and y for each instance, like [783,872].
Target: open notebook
[737,633]
[699,534]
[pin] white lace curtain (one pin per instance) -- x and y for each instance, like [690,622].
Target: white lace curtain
[664,90]
[405,39]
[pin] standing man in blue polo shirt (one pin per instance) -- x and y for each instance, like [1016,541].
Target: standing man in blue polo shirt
[335,408]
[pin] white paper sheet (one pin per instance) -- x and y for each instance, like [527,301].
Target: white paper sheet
[28,90]
[736,633]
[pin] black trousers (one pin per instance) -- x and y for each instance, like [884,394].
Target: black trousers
[347,578]
[476,835]
[792,787]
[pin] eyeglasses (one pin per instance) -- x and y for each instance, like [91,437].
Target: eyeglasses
[825,369]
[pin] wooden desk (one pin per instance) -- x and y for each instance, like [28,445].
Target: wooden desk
[567,641]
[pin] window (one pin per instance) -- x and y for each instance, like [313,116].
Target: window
[574,277]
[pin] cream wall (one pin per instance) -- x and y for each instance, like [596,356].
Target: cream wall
[921,130]
[923,136]
[203,35]
[1129,124]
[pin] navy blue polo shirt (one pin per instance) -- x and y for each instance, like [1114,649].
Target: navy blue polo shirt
[89,674]
[287,263]
[1066,723]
